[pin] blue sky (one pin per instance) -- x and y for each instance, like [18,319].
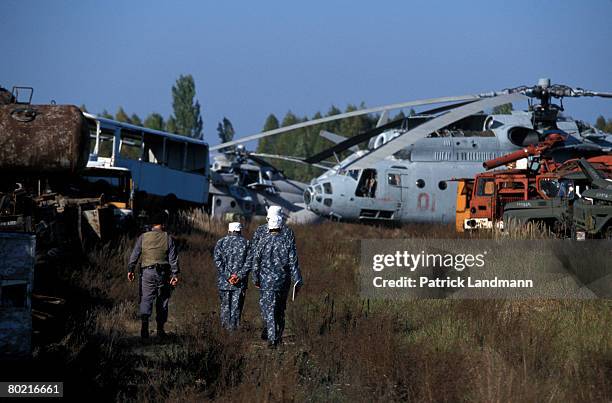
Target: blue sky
[250,59]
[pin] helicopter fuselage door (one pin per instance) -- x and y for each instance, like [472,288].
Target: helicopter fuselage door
[393,188]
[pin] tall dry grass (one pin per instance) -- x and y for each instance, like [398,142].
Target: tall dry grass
[339,347]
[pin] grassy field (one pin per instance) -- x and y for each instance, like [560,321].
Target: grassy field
[338,347]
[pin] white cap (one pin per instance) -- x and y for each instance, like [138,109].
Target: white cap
[235,227]
[275,222]
[275,211]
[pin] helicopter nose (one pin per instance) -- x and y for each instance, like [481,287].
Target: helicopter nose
[308,193]
[318,197]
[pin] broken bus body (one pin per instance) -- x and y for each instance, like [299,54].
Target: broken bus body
[165,167]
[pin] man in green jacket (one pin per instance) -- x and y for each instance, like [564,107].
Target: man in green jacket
[158,273]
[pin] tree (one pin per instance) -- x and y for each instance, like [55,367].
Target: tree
[266,144]
[106,115]
[154,121]
[171,125]
[121,116]
[600,123]
[271,123]
[186,116]
[401,115]
[354,125]
[226,132]
[135,120]
[505,109]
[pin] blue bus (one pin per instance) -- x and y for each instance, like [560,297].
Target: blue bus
[162,165]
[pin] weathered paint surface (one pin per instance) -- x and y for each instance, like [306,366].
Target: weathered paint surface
[17,254]
[43,138]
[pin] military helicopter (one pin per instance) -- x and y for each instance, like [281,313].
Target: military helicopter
[406,173]
[243,184]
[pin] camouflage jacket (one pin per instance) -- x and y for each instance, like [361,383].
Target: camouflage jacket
[230,256]
[261,232]
[275,263]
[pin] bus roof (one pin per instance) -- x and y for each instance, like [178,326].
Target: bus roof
[129,126]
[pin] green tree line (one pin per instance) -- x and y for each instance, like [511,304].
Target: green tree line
[604,125]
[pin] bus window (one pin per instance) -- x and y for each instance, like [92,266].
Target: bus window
[105,142]
[196,159]
[153,149]
[131,145]
[175,153]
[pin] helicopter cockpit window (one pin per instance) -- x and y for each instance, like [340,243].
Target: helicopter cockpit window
[327,188]
[367,184]
[486,187]
[394,179]
[354,173]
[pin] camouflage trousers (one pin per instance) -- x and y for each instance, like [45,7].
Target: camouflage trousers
[231,308]
[273,304]
[155,288]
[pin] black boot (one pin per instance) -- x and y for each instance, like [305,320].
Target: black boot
[144,328]
[160,330]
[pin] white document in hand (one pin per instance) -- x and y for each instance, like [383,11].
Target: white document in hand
[294,291]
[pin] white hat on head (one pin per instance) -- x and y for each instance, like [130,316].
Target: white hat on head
[235,227]
[275,222]
[275,211]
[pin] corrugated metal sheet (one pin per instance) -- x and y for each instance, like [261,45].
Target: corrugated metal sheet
[17,257]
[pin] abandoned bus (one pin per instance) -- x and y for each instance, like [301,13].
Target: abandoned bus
[163,165]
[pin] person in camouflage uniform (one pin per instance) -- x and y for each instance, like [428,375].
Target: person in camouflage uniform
[158,273]
[275,268]
[230,256]
[262,230]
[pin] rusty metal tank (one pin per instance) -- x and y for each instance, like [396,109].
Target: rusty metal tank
[49,139]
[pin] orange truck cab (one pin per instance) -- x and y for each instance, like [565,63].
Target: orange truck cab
[481,201]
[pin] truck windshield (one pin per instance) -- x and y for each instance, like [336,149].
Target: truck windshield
[486,187]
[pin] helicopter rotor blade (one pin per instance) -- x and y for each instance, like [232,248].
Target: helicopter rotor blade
[255,158]
[360,138]
[423,130]
[336,139]
[285,158]
[444,108]
[352,141]
[358,112]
